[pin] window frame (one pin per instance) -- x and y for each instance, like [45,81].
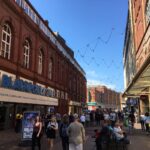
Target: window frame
[40,62]
[6,41]
[50,69]
[26,54]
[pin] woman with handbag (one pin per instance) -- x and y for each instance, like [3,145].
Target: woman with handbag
[52,127]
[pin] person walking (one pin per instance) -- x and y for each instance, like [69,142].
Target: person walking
[82,119]
[52,127]
[36,136]
[91,118]
[71,118]
[142,122]
[87,119]
[113,118]
[147,122]
[97,117]
[76,134]
[63,132]
[132,119]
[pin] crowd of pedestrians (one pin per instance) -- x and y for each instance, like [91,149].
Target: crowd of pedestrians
[70,128]
[109,124]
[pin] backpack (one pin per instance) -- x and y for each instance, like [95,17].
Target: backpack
[63,131]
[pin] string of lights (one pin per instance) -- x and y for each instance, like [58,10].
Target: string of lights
[91,48]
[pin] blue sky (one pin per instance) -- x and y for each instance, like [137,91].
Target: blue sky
[95,30]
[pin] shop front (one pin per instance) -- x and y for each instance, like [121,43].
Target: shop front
[75,107]
[13,102]
[140,87]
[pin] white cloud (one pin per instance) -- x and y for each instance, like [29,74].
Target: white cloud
[91,82]
[92,73]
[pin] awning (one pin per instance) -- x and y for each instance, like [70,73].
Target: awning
[7,95]
[140,83]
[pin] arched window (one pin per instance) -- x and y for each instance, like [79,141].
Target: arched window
[6,41]
[50,69]
[40,62]
[26,56]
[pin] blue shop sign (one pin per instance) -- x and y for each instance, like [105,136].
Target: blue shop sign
[25,86]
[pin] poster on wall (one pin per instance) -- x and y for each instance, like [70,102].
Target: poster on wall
[28,123]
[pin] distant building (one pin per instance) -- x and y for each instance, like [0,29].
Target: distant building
[101,96]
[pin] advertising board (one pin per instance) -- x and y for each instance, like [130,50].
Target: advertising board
[28,123]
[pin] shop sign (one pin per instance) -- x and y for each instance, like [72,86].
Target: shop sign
[25,86]
[8,95]
[91,103]
[74,103]
[132,101]
[28,123]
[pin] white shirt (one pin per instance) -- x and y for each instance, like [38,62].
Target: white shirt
[147,120]
[82,118]
[142,118]
[106,116]
[54,124]
[118,135]
[112,116]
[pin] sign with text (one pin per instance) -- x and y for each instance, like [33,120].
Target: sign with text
[25,86]
[91,103]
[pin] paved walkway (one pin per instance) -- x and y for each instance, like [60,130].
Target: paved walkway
[139,139]
[10,141]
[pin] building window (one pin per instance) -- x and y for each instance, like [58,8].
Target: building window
[18,2]
[40,62]
[26,59]
[6,41]
[50,69]
[148,11]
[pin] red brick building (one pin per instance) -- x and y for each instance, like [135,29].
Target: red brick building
[37,68]
[103,97]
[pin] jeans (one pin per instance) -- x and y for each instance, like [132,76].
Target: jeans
[65,143]
[147,127]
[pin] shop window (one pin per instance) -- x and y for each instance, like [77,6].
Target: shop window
[40,62]
[18,2]
[2,114]
[26,58]
[6,41]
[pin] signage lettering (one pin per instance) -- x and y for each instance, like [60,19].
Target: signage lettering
[25,86]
